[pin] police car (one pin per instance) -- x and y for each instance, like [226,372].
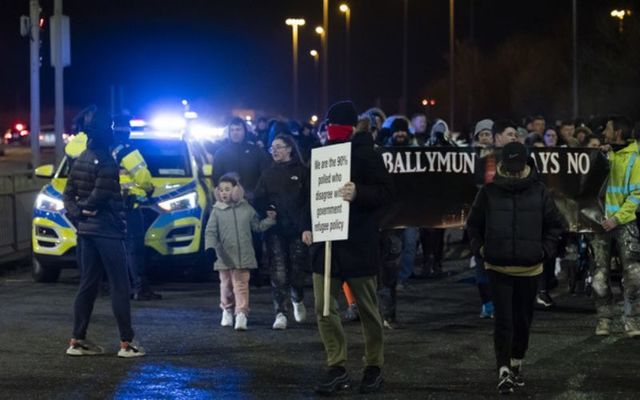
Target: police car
[175,215]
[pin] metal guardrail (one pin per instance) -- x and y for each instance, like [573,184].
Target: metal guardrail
[18,191]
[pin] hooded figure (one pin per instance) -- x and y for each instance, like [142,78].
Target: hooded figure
[440,134]
[94,204]
[238,155]
[514,225]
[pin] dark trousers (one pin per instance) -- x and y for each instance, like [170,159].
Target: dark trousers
[97,255]
[513,299]
[547,276]
[432,241]
[288,259]
[482,280]
[391,243]
[330,327]
[135,251]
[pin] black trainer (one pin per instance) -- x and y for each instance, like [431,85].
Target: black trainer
[516,376]
[505,383]
[371,380]
[544,301]
[335,379]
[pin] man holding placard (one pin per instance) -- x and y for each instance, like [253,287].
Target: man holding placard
[348,184]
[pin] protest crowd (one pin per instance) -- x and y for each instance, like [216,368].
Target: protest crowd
[260,230]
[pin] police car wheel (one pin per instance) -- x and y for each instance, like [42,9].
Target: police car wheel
[44,273]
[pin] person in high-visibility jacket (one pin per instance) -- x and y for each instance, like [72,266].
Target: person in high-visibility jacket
[135,180]
[620,229]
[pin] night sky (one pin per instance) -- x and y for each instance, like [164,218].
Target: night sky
[229,54]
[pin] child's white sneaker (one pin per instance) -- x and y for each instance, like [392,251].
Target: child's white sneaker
[241,322]
[299,311]
[227,318]
[280,322]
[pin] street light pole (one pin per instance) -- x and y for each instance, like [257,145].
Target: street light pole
[322,33]
[451,65]
[405,55]
[316,56]
[34,123]
[346,10]
[325,54]
[294,23]
[59,80]
[575,59]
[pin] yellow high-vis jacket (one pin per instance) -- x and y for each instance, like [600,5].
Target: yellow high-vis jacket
[623,189]
[134,173]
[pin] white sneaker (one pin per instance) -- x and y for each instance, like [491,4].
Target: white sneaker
[78,347]
[602,328]
[241,322]
[280,322]
[227,318]
[630,329]
[130,349]
[299,311]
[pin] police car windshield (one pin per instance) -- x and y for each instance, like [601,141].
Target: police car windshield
[165,158]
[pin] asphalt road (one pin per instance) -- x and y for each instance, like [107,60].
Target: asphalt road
[443,351]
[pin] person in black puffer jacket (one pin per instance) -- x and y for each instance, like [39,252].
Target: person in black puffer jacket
[514,225]
[283,187]
[94,204]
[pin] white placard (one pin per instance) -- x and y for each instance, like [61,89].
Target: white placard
[330,170]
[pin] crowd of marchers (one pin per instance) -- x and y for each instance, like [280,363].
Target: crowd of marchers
[260,229]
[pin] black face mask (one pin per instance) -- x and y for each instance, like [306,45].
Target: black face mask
[100,140]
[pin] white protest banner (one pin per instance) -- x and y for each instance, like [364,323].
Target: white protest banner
[330,170]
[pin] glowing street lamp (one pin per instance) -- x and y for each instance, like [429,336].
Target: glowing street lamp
[294,23]
[319,30]
[620,14]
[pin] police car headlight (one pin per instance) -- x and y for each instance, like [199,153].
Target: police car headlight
[48,203]
[185,202]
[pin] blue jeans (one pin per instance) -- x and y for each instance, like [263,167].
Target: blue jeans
[408,257]
[97,255]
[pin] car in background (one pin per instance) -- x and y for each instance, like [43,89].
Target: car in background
[174,216]
[48,136]
[17,135]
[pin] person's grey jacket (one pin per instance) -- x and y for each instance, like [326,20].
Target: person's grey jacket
[228,232]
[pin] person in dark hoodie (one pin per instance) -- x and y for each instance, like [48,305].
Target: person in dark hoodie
[355,260]
[239,156]
[396,244]
[95,206]
[283,188]
[515,226]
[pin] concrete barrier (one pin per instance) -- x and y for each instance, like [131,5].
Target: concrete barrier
[18,191]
